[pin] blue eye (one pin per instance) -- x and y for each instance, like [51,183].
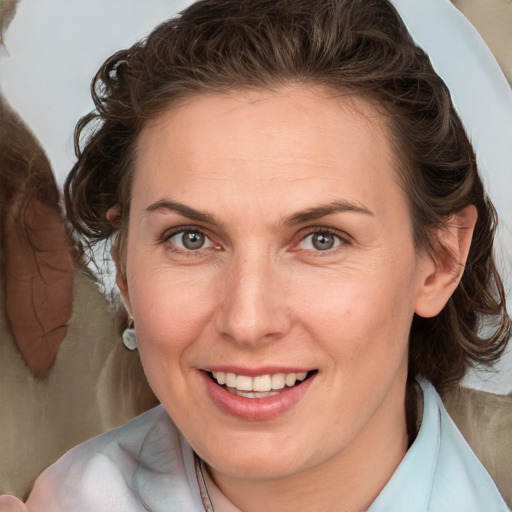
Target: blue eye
[320,241]
[190,240]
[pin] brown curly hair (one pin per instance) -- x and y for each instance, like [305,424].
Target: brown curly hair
[358,47]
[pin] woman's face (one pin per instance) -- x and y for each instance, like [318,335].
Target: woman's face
[272,276]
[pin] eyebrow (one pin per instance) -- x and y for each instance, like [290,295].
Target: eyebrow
[318,212]
[185,211]
[301,217]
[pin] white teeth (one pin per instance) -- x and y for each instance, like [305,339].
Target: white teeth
[221,377]
[230,380]
[290,379]
[278,381]
[262,383]
[255,394]
[252,386]
[243,383]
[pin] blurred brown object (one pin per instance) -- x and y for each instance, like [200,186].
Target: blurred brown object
[36,248]
[7,12]
[64,374]
[485,421]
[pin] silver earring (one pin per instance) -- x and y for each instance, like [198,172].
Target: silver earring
[130,336]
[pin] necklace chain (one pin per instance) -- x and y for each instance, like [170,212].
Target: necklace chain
[203,490]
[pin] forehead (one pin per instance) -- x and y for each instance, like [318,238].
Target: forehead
[295,137]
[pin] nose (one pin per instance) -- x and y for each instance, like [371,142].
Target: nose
[253,309]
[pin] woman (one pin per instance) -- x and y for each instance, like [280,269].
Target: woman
[305,246]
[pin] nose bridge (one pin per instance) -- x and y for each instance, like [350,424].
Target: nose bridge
[252,310]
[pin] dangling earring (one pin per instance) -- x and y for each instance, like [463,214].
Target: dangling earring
[130,336]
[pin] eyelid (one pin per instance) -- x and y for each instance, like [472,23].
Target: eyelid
[342,236]
[172,232]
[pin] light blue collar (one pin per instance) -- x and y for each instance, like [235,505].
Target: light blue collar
[439,473]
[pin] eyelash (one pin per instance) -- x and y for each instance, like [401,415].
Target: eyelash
[166,239]
[341,240]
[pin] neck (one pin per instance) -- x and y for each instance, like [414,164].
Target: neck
[349,481]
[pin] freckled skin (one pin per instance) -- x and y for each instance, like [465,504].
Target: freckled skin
[258,293]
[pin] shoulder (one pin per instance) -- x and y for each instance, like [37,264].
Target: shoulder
[142,463]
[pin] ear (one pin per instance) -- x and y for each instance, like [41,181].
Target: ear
[121,278]
[114,217]
[440,274]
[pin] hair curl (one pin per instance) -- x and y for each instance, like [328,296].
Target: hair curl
[358,47]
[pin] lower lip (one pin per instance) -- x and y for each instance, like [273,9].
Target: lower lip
[255,409]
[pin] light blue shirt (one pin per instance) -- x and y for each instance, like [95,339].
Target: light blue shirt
[440,472]
[148,463]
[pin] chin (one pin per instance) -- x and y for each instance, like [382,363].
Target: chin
[260,457]
[257,467]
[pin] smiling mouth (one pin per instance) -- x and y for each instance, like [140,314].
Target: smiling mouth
[261,386]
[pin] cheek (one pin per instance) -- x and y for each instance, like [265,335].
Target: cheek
[170,315]
[170,309]
[363,315]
